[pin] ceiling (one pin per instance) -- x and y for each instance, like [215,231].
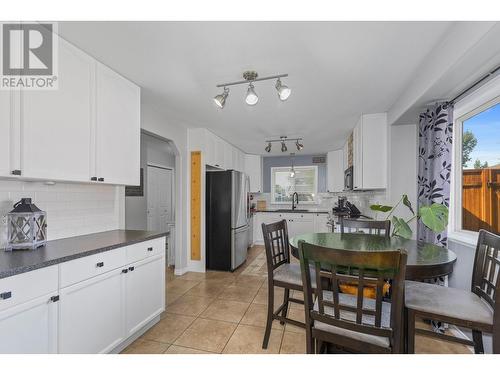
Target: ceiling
[337,71]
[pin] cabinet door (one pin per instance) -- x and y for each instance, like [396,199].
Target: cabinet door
[335,175]
[30,328]
[357,156]
[91,314]
[145,292]
[57,123]
[10,132]
[374,141]
[210,149]
[219,152]
[321,223]
[228,156]
[253,168]
[300,226]
[117,140]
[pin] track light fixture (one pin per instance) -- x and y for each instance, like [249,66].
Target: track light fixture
[251,98]
[220,100]
[283,139]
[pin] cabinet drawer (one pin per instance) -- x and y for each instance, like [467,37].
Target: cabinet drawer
[27,286]
[84,268]
[145,249]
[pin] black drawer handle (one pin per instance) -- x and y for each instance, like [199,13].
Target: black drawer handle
[54,298]
[125,270]
[100,179]
[150,249]
[131,269]
[100,264]
[5,295]
[93,178]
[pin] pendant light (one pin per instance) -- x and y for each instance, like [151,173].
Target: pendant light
[220,100]
[251,97]
[283,90]
[299,145]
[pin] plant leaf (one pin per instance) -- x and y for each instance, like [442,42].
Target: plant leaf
[401,228]
[434,217]
[381,208]
[407,203]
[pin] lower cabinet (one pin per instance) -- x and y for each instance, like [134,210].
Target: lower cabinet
[144,292]
[302,225]
[31,327]
[321,223]
[91,314]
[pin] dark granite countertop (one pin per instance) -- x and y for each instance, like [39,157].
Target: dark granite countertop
[63,250]
[290,211]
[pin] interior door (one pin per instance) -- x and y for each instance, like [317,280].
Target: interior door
[56,124]
[160,211]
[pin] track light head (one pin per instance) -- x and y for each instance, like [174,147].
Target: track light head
[268,147]
[251,97]
[299,145]
[283,90]
[220,100]
[283,146]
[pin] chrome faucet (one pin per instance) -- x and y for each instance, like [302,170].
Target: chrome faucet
[295,201]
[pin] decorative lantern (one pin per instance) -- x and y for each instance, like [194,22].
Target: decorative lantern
[27,226]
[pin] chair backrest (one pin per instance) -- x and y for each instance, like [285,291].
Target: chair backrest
[367,268]
[377,227]
[276,243]
[485,275]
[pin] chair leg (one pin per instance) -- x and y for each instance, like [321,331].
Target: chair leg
[477,337]
[309,341]
[319,347]
[286,297]
[410,332]
[270,313]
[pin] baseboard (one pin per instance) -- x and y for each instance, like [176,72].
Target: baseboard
[180,271]
[135,336]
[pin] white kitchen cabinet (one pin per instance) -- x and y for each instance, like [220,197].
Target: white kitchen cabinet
[370,152]
[31,327]
[228,156]
[335,171]
[145,292]
[345,156]
[219,152]
[10,133]
[117,128]
[300,225]
[91,314]
[57,123]
[320,223]
[253,168]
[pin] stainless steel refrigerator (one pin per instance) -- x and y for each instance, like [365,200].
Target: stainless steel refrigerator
[227,219]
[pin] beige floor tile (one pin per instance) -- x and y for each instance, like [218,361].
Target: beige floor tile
[249,281]
[219,275]
[248,340]
[208,288]
[428,345]
[228,311]
[238,293]
[174,349]
[261,296]
[293,343]
[193,276]
[256,315]
[298,315]
[172,297]
[168,329]
[190,305]
[179,286]
[206,334]
[141,346]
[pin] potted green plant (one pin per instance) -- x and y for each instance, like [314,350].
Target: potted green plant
[434,217]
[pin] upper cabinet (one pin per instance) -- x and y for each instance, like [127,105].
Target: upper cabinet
[57,123]
[117,130]
[253,168]
[335,171]
[370,152]
[88,129]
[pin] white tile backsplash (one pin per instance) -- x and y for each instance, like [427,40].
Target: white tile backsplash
[72,209]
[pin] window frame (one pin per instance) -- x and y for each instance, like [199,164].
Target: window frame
[480,100]
[287,169]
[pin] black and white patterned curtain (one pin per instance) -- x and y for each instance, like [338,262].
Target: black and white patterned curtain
[434,167]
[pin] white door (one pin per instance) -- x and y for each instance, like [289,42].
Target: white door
[57,124]
[30,328]
[91,314]
[145,292]
[117,140]
[159,198]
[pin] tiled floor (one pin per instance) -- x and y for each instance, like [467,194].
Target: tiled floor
[222,312]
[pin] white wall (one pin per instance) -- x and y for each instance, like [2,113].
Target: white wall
[402,168]
[72,209]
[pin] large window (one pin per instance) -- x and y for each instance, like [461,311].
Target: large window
[284,183]
[477,170]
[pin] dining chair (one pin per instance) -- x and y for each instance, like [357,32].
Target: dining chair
[477,309]
[353,323]
[280,273]
[376,227]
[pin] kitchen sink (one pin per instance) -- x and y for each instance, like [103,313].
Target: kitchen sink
[290,210]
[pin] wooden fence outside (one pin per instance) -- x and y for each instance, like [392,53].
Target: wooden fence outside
[481,199]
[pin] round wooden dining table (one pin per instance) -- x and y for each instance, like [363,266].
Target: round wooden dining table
[425,260]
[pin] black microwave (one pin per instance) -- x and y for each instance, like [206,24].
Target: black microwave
[348,179]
